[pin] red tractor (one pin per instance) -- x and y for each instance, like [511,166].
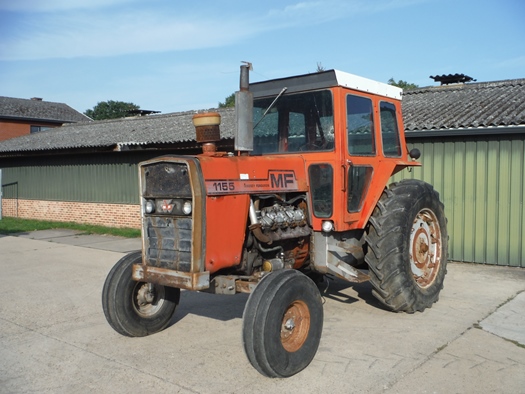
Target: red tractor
[302,195]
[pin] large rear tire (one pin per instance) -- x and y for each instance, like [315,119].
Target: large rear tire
[407,247]
[136,309]
[282,324]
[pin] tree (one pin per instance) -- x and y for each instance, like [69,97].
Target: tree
[110,110]
[228,101]
[320,67]
[402,84]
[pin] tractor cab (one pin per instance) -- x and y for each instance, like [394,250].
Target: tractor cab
[347,128]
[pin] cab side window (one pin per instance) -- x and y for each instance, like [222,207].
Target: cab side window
[360,126]
[322,186]
[359,178]
[389,130]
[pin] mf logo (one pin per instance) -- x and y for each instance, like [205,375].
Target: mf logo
[282,180]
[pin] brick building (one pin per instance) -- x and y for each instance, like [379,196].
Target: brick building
[21,117]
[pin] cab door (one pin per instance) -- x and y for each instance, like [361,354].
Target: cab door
[372,153]
[360,153]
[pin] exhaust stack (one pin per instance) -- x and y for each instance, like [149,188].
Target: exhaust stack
[244,112]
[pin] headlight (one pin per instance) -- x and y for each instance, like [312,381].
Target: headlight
[327,226]
[149,207]
[175,206]
[186,208]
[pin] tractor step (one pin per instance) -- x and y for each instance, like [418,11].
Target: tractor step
[347,272]
[335,255]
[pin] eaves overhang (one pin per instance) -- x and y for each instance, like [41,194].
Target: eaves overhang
[56,152]
[466,132]
[39,120]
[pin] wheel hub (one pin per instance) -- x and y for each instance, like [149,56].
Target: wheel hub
[289,325]
[147,298]
[425,248]
[145,295]
[295,326]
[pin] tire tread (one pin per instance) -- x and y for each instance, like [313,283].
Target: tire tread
[387,237]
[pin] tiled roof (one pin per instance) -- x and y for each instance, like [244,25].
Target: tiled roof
[16,108]
[482,106]
[472,105]
[117,133]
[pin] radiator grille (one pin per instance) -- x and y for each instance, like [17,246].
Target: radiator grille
[168,243]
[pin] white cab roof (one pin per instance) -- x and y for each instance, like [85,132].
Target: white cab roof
[324,79]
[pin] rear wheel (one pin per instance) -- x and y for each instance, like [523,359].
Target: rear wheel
[282,324]
[133,308]
[407,247]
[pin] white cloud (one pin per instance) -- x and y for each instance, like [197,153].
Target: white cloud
[75,36]
[159,27]
[56,5]
[323,11]
[513,62]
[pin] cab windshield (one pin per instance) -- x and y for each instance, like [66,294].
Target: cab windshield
[300,122]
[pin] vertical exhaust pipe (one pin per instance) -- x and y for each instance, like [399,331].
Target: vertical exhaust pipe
[244,112]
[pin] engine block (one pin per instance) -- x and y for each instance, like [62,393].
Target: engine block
[283,222]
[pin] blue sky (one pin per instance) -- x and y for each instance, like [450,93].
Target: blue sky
[175,55]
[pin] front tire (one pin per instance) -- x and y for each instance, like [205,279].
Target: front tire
[407,247]
[282,324]
[136,309]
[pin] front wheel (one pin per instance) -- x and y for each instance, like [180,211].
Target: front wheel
[136,309]
[407,246]
[282,324]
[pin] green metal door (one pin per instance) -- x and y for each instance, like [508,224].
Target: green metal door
[482,184]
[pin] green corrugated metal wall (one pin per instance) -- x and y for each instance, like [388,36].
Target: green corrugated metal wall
[103,178]
[482,184]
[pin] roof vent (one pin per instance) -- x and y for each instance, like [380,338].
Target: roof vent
[452,78]
[141,112]
[36,98]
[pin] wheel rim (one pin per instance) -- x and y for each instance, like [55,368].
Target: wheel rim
[295,326]
[425,248]
[147,299]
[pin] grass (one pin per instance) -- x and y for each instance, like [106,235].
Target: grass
[16,225]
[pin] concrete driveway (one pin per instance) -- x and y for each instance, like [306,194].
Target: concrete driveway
[54,337]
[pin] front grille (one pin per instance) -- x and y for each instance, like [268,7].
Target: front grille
[168,233]
[167,179]
[168,243]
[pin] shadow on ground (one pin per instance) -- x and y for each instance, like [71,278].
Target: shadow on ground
[214,306]
[228,307]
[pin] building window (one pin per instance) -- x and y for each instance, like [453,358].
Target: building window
[36,129]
